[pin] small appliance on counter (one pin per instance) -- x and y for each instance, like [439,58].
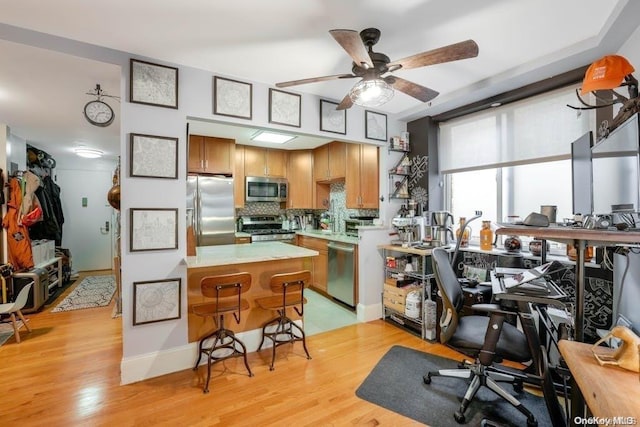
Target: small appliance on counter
[407,230]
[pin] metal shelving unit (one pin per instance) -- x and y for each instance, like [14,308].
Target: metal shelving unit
[423,275]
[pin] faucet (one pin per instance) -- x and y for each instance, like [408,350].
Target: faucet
[459,239]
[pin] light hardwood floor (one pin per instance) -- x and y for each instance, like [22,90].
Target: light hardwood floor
[67,373]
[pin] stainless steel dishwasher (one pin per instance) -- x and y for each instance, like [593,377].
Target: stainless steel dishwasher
[341,277]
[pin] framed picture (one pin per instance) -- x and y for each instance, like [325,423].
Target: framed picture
[375,125]
[153,229]
[232,98]
[156,301]
[153,84]
[153,156]
[332,120]
[284,108]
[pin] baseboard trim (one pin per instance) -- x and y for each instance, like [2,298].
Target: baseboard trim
[145,366]
[367,313]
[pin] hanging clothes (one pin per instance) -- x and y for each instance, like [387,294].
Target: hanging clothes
[31,183]
[18,241]
[50,228]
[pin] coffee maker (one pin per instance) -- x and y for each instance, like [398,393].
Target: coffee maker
[441,231]
[407,231]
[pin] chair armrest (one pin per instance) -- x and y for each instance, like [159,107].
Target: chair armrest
[490,308]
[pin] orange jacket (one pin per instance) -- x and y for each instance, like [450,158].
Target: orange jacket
[18,241]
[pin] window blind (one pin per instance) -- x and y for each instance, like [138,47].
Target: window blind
[534,130]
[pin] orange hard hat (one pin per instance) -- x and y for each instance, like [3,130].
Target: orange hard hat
[607,72]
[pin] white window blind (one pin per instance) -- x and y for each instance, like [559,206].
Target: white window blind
[537,129]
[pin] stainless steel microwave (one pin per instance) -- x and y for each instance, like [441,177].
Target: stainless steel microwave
[263,189]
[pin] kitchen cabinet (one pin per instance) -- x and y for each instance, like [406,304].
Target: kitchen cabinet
[300,177]
[329,162]
[238,177]
[242,240]
[320,263]
[362,176]
[209,154]
[260,161]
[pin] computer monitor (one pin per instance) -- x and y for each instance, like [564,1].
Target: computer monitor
[616,163]
[626,291]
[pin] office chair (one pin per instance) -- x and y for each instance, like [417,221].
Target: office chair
[487,339]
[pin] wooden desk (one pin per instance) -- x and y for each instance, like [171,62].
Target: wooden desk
[609,391]
[580,238]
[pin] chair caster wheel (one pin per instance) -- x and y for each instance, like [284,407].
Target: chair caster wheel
[518,387]
[459,417]
[427,379]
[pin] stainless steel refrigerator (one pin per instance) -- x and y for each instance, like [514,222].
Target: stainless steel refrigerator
[210,209]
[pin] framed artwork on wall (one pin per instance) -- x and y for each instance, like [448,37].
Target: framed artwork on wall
[332,120]
[156,301]
[284,108]
[153,229]
[232,98]
[153,156]
[375,125]
[153,84]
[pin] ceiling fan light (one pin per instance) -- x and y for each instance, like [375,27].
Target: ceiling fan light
[88,153]
[371,93]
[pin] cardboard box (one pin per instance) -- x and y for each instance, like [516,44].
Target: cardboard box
[395,298]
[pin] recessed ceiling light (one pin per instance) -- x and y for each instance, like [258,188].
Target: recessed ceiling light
[88,153]
[273,137]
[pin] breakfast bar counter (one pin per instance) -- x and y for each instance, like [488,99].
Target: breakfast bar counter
[262,260]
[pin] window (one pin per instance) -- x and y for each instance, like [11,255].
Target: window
[513,159]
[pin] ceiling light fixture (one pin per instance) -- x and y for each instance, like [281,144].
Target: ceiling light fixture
[272,137]
[371,92]
[88,153]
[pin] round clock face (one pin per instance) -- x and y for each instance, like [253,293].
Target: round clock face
[98,113]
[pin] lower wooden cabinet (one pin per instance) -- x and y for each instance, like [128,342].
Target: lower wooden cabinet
[241,240]
[320,264]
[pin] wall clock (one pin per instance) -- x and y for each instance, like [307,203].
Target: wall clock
[98,113]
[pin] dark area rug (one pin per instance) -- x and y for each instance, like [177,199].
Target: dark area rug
[396,384]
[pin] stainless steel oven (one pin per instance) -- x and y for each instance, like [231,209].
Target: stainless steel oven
[263,189]
[267,228]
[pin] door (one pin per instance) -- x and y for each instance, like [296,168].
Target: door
[88,226]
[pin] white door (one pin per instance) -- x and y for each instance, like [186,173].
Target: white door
[88,227]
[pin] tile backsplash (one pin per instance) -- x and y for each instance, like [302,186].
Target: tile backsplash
[337,207]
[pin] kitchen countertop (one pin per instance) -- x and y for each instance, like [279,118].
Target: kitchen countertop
[210,256]
[335,237]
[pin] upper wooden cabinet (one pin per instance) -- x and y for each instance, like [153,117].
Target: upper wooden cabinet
[329,162]
[209,154]
[299,174]
[362,180]
[259,161]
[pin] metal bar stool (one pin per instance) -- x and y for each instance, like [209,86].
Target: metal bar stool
[289,290]
[226,290]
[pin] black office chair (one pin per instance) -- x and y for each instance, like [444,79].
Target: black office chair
[487,339]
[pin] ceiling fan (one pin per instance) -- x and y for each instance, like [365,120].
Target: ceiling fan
[371,67]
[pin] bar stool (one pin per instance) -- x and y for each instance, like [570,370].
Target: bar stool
[289,290]
[226,290]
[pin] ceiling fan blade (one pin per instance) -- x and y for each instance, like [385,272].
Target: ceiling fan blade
[422,93]
[314,80]
[345,104]
[453,52]
[351,42]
